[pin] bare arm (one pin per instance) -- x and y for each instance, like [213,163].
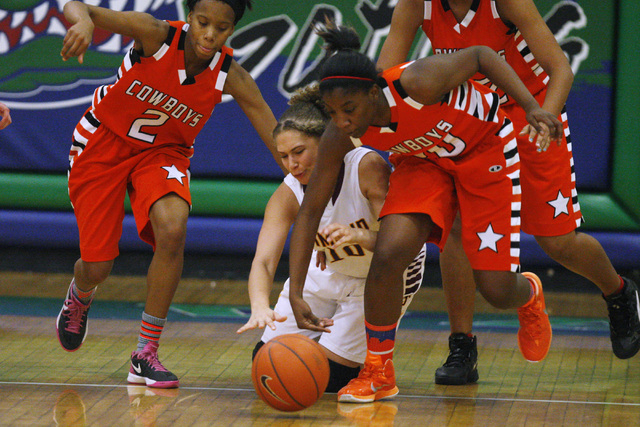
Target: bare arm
[278,217]
[544,47]
[428,79]
[407,18]
[245,91]
[333,146]
[148,32]
[373,174]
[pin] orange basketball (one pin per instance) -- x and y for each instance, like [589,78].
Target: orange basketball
[290,372]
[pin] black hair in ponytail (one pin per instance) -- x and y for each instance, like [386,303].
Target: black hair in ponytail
[346,67]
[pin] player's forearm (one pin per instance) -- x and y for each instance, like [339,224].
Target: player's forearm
[76,11]
[366,239]
[502,75]
[301,248]
[558,90]
[260,284]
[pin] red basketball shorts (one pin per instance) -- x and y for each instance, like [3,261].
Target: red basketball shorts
[485,189]
[104,172]
[549,197]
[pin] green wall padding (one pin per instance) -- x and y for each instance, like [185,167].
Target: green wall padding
[209,197]
[626,168]
[249,199]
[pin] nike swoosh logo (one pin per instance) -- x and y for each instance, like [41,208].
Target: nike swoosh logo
[263,381]
[137,368]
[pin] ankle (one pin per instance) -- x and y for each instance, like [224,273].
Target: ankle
[84,296]
[618,290]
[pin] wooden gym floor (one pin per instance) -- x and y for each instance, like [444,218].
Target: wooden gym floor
[579,383]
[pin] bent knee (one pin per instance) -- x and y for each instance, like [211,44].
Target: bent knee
[170,230]
[93,273]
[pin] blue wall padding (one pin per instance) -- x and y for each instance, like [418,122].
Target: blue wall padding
[59,229]
[239,236]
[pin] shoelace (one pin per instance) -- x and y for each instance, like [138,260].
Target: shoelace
[74,314]
[531,317]
[367,372]
[152,358]
[457,357]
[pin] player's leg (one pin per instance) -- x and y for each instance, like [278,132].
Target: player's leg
[400,238]
[419,207]
[169,222]
[491,237]
[583,254]
[97,187]
[551,212]
[160,200]
[168,217]
[504,289]
[489,195]
[72,322]
[460,293]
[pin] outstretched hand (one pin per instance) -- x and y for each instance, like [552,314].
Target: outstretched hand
[543,128]
[261,319]
[305,318]
[77,40]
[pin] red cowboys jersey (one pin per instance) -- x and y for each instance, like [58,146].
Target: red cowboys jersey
[468,120]
[482,26]
[153,101]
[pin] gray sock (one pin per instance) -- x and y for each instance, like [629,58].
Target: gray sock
[150,330]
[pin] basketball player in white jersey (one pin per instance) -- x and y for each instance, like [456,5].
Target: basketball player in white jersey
[334,287]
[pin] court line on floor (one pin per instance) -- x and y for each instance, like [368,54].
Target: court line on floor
[406,396]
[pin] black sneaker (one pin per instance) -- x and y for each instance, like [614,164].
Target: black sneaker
[461,366]
[72,322]
[147,369]
[624,320]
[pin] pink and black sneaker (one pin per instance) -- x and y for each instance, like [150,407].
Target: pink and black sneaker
[72,322]
[147,369]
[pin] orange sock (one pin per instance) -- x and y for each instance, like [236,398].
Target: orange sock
[381,340]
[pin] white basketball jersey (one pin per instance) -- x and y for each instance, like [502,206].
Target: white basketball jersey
[347,206]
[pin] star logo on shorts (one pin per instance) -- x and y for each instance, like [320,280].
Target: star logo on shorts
[174,173]
[560,205]
[489,239]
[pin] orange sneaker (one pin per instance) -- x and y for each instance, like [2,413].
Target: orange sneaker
[375,381]
[534,335]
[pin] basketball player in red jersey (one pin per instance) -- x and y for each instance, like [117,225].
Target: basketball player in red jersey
[550,209]
[138,137]
[454,148]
